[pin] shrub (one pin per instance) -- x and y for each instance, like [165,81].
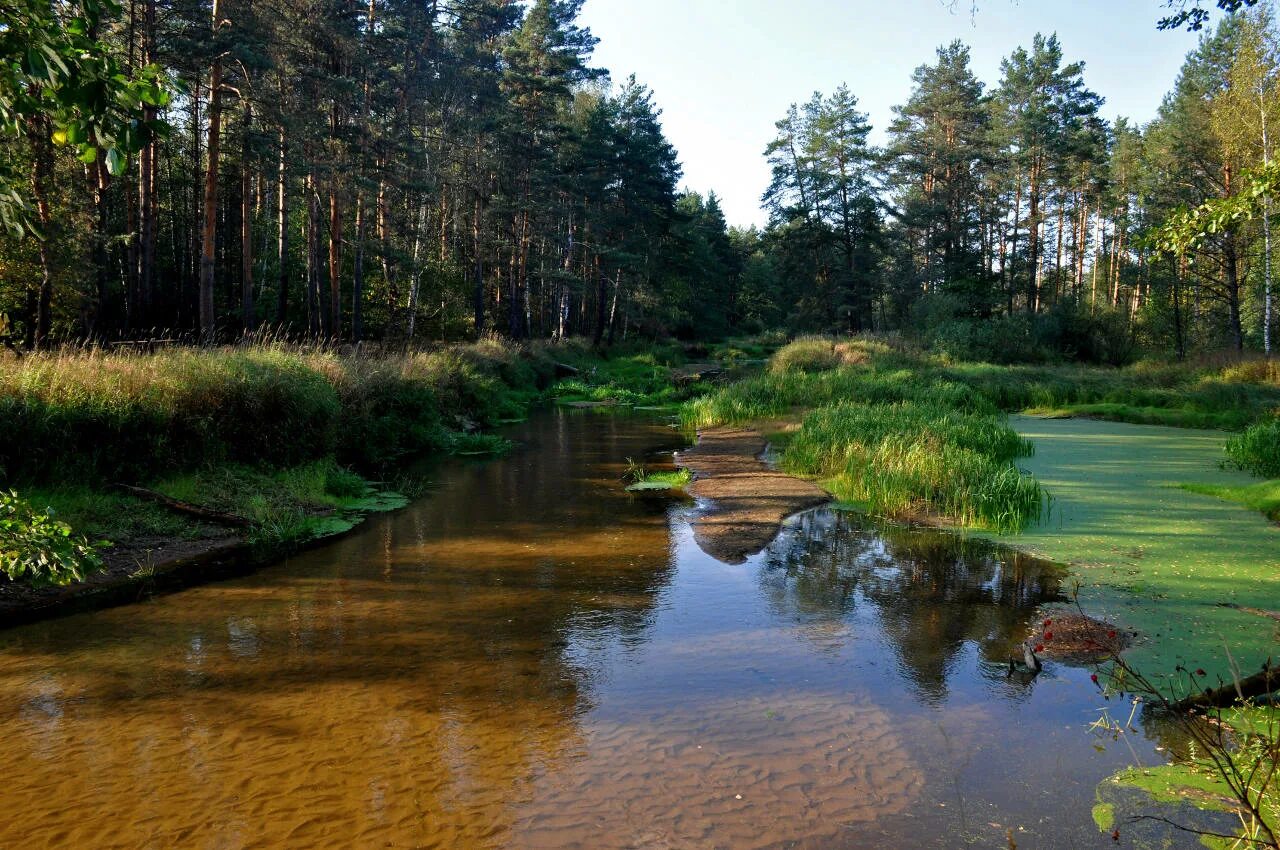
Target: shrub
[39,550]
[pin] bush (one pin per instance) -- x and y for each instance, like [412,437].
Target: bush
[39,550]
[1257,450]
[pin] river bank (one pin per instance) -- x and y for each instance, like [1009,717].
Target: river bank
[158,465]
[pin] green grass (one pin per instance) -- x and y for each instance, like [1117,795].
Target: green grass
[641,377]
[286,506]
[886,432]
[919,458]
[1263,496]
[676,479]
[1257,449]
[103,514]
[479,445]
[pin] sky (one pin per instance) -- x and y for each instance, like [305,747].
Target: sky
[723,71]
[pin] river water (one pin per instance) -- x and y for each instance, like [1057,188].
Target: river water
[530,657]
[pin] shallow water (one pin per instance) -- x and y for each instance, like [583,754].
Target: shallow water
[532,658]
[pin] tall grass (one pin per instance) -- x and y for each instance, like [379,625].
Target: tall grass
[920,458]
[1257,450]
[90,416]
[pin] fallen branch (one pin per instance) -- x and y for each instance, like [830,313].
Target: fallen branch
[186,507]
[1259,684]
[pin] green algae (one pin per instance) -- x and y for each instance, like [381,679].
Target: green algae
[1198,781]
[1179,567]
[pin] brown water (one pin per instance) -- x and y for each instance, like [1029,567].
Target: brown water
[532,658]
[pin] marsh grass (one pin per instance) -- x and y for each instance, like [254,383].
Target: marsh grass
[1257,450]
[627,375]
[640,478]
[285,505]
[904,432]
[920,458]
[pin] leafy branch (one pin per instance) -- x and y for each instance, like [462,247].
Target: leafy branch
[39,550]
[1187,228]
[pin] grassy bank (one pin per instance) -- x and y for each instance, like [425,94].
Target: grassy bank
[908,433]
[285,438]
[93,417]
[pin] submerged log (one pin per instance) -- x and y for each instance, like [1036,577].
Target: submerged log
[1259,684]
[182,507]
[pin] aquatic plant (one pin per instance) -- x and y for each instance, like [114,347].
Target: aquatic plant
[920,458]
[1257,450]
[1227,759]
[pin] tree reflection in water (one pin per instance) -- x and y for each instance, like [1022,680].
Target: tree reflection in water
[931,591]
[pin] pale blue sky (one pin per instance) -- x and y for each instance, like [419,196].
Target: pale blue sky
[724,70]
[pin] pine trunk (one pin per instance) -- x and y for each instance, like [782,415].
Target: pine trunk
[208,230]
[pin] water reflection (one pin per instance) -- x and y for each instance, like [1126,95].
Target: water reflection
[932,592]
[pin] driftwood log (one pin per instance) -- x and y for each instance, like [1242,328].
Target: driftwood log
[1259,684]
[182,507]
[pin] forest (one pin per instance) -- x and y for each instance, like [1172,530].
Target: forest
[392,439]
[438,171]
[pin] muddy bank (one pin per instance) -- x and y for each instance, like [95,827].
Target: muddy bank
[748,499]
[132,571]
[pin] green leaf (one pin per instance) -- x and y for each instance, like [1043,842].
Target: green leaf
[116,162]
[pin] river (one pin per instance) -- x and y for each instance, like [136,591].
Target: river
[531,657]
